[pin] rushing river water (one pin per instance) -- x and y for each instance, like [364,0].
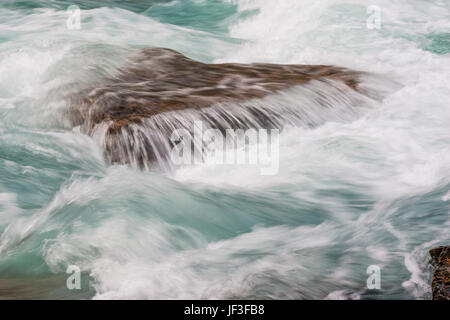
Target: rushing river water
[361,190]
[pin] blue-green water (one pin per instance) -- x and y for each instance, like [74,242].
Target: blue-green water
[370,191]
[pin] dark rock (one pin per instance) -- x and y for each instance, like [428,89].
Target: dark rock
[162,82]
[440,259]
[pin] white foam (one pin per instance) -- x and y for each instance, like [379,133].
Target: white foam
[396,150]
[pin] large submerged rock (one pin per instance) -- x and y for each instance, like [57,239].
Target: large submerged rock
[133,113]
[440,258]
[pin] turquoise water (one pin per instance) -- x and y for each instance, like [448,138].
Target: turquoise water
[373,190]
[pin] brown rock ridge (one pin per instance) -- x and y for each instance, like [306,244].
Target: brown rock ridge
[163,82]
[440,259]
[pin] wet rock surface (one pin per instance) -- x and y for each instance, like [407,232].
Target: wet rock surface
[159,84]
[440,259]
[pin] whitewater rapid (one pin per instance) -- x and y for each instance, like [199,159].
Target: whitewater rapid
[368,189]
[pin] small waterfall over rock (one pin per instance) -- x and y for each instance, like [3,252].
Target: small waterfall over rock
[134,114]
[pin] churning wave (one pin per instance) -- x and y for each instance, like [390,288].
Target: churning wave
[361,187]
